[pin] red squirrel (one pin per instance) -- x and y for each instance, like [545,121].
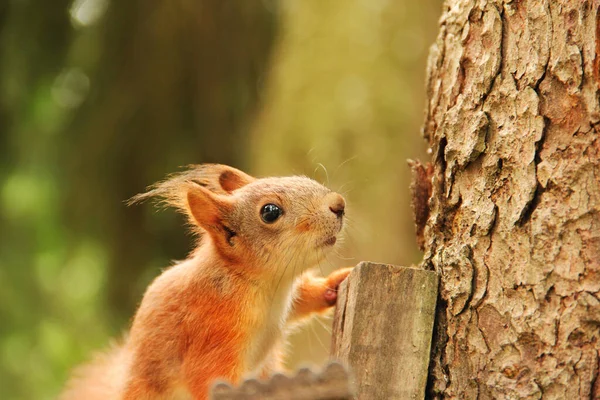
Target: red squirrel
[224,312]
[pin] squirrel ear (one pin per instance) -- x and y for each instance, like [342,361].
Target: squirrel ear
[206,208]
[220,178]
[216,178]
[210,211]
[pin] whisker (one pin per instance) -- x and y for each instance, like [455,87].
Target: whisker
[345,258]
[319,264]
[283,272]
[324,169]
[320,322]
[344,162]
[341,188]
[333,267]
[318,336]
[310,342]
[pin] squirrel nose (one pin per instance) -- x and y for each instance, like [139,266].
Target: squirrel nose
[337,205]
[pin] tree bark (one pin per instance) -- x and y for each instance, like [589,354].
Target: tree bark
[514,224]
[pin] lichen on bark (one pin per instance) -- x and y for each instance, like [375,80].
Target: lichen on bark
[512,118]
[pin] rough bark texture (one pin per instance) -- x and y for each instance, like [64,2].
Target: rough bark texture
[514,224]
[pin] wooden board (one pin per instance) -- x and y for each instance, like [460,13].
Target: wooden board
[382,329]
[331,384]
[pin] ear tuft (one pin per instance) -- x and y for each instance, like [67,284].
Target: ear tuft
[217,178]
[232,179]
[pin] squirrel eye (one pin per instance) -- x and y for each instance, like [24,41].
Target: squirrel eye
[270,212]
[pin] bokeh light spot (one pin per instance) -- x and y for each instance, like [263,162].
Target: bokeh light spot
[87,12]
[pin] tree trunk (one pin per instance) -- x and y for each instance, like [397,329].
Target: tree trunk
[514,222]
[174,83]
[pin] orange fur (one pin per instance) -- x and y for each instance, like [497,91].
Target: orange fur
[311,296]
[223,313]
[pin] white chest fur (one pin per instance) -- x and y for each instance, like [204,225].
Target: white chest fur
[269,329]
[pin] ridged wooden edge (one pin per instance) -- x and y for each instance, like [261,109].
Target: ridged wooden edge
[333,383]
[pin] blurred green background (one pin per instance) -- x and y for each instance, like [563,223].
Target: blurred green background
[99,99]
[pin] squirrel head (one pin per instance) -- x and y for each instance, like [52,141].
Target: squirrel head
[285,222]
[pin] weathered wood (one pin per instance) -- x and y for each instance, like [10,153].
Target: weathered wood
[382,329]
[331,384]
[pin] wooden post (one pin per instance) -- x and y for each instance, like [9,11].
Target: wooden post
[382,329]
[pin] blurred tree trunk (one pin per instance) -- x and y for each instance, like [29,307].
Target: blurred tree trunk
[514,225]
[172,83]
[97,100]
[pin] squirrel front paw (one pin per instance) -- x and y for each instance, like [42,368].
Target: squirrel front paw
[332,284]
[316,294]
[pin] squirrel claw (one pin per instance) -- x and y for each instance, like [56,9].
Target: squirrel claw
[333,283]
[331,296]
